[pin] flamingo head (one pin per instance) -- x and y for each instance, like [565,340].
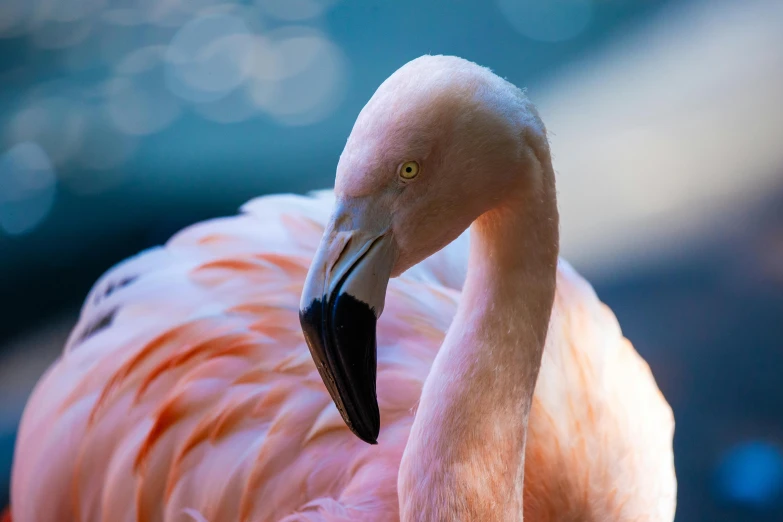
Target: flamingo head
[441,141]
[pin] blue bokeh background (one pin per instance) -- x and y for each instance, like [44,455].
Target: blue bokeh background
[122,121]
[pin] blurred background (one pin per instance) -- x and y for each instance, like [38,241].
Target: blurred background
[122,121]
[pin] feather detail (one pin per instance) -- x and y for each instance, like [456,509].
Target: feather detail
[198,399]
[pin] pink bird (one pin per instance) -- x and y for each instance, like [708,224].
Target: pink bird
[186,392]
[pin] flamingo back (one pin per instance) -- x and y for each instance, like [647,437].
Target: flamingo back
[186,392]
[600,431]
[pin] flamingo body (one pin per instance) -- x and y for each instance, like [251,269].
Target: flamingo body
[186,392]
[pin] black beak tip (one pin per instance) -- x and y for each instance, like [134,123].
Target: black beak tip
[368,434]
[342,345]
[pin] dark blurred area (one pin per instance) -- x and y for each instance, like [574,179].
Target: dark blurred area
[123,121]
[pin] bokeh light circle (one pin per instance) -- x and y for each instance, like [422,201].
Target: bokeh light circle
[54,123]
[751,475]
[71,10]
[235,107]
[104,147]
[138,101]
[295,10]
[209,57]
[302,79]
[15,16]
[54,34]
[548,20]
[27,188]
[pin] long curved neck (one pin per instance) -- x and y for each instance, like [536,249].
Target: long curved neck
[465,455]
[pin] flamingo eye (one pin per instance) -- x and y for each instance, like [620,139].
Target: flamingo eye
[409,170]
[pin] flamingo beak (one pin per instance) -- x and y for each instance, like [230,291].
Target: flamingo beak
[342,300]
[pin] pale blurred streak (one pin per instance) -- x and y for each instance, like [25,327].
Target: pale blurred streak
[669,135]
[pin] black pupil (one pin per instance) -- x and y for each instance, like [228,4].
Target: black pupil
[408,169]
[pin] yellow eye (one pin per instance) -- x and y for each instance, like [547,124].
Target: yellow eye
[409,170]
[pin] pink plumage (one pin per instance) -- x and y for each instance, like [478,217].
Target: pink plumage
[199,398]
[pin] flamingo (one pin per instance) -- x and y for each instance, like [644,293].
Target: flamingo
[495,380]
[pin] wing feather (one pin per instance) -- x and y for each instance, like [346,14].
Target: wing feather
[186,391]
